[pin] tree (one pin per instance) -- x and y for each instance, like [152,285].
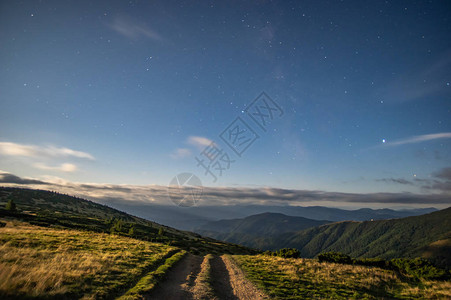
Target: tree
[161,231]
[117,226]
[288,253]
[335,257]
[10,205]
[131,231]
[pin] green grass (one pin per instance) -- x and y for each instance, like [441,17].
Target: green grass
[151,279]
[56,263]
[290,278]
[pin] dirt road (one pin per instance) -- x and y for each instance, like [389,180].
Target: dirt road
[210,277]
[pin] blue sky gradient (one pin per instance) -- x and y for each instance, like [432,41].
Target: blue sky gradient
[364,86]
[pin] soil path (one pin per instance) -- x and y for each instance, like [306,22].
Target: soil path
[226,280]
[180,280]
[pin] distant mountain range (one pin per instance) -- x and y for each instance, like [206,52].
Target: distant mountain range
[191,218]
[427,235]
[253,228]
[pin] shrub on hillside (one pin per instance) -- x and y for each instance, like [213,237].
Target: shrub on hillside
[335,257]
[285,253]
[288,253]
[373,262]
[10,205]
[418,267]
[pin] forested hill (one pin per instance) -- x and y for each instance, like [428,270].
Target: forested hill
[427,236]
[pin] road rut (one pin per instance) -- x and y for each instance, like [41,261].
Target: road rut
[226,281]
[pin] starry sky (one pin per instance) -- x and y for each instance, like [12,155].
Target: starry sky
[133,92]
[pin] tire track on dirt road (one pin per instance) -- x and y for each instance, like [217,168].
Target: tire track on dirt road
[180,280]
[220,279]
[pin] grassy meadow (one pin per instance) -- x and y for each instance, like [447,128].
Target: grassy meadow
[297,278]
[58,263]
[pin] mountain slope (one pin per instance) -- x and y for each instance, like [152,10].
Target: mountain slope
[427,235]
[249,230]
[45,208]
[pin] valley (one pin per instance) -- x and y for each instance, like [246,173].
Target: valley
[56,246]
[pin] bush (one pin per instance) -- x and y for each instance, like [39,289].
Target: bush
[373,262]
[335,257]
[131,231]
[287,253]
[418,268]
[10,205]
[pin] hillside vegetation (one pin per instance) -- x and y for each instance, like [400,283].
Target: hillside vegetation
[426,236]
[44,208]
[290,278]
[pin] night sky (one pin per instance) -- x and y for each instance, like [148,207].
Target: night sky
[133,92]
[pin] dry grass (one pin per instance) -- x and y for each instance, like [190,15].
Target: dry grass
[299,278]
[202,288]
[36,261]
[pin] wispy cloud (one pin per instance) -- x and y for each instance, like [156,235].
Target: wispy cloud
[14,149]
[132,29]
[420,138]
[181,153]
[199,142]
[439,181]
[395,180]
[66,167]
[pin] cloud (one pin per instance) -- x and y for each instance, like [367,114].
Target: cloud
[420,138]
[199,142]
[66,167]
[439,181]
[181,153]
[14,149]
[228,195]
[132,30]
[395,180]
[442,180]
[10,178]
[444,173]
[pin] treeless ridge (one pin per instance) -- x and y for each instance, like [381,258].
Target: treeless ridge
[208,278]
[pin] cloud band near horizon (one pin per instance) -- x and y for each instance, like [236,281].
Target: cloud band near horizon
[224,196]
